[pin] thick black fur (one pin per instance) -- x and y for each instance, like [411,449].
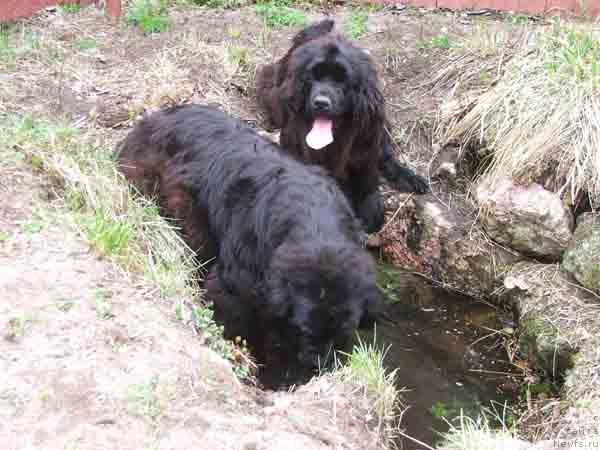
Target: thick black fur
[291,275]
[325,75]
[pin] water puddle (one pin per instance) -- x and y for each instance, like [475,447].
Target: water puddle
[437,344]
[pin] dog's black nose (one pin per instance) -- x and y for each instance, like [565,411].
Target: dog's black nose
[321,103]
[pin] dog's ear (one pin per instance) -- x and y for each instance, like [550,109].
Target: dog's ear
[372,309]
[293,92]
[314,31]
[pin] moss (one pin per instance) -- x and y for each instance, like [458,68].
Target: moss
[582,257]
[542,343]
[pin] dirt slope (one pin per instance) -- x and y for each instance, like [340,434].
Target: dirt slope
[89,360]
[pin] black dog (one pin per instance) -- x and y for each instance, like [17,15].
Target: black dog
[324,94]
[291,274]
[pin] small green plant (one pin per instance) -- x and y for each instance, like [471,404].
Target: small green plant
[4,236]
[220,4]
[17,325]
[440,42]
[109,235]
[439,410]
[519,19]
[86,44]
[144,399]
[33,226]
[356,23]
[70,8]
[103,305]
[150,15]
[573,55]
[213,334]
[277,14]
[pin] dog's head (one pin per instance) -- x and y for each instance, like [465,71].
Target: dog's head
[316,298]
[332,84]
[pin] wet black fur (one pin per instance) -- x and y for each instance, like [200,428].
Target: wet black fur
[291,274]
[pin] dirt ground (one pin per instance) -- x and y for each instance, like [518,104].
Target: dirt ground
[89,359]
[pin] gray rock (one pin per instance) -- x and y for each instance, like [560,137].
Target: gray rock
[528,219]
[444,244]
[582,257]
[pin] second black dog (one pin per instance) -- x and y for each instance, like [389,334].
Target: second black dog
[291,274]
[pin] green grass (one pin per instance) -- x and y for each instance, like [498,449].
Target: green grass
[220,4]
[356,23]
[109,235]
[364,367]
[467,433]
[70,8]
[440,42]
[277,14]
[86,44]
[145,399]
[213,335]
[573,56]
[150,15]
[103,304]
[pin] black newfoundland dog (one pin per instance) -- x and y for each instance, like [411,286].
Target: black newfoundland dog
[291,274]
[324,95]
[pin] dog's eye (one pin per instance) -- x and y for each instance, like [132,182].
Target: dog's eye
[329,71]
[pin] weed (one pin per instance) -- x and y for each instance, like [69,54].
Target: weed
[220,4]
[213,334]
[364,366]
[440,42]
[145,400]
[356,23]
[4,236]
[467,433]
[33,226]
[103,305]
[277,14]
[150,15]
[86,44]
[16,326]
[70,8]
[111,236]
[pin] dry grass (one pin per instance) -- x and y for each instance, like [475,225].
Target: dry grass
[540,117]
[118,224]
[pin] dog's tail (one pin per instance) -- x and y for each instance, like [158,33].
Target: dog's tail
[400,177]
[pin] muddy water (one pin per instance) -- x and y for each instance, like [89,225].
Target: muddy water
[435,343]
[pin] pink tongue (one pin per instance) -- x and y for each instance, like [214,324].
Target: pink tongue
[321,135]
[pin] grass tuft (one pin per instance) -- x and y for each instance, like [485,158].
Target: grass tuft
[542,116]
[150,15]
[220,4]
[70,8]
[356,23]
[476,434]
[364,367]
[277,14]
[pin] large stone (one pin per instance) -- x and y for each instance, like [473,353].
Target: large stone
[582,257]
[426,236]
[556,317]
[529,219]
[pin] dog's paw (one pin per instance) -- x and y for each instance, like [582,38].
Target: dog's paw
[419,185]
